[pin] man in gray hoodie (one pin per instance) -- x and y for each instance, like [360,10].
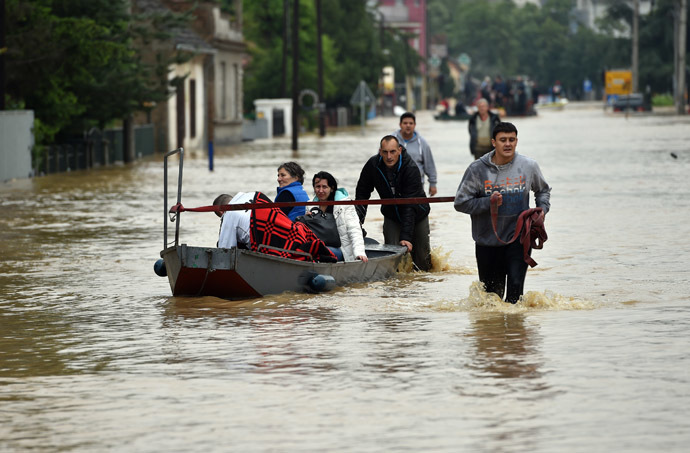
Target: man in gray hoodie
[505,179]
[417,148]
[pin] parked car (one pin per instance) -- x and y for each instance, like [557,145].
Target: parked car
[635,102]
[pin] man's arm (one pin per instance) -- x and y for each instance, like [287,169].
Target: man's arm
[542,190]
[470,197]
[429,167]
[365,186]
[472,129]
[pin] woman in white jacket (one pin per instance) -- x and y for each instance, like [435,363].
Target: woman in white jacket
[346,219]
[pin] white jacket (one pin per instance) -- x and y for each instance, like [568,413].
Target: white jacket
[349,228]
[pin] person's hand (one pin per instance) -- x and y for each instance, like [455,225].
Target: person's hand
[407,244]
[496,198]
[363,258]
[432,191]
[542,216]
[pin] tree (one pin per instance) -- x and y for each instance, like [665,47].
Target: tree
[78,64]
[353,43]
[547,42]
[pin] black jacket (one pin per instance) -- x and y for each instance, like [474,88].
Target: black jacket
[408,184]
[472,128]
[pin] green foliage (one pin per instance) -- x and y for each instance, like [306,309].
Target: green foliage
[547,43]
[77,65]
[662,100]
[352,43]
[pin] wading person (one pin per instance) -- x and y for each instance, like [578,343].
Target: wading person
[418,149]
[480,126]
[394,175]
[505,179]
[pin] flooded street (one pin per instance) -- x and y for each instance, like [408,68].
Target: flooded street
[96,355]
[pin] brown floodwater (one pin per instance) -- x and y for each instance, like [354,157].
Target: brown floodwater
[96,355]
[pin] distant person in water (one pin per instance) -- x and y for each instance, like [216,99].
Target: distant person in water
[480,126]
[502,178]
[290,180]
[417,148]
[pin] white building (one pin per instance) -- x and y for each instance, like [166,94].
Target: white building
[588,11]
[207,105]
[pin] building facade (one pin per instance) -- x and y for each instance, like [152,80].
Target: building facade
[205,106]
[410,16]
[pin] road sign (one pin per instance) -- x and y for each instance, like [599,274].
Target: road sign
[362,95]
[314,99]
[465,59]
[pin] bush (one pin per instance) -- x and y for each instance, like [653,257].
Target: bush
[662,100]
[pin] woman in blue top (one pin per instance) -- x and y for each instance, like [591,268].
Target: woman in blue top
[290,179]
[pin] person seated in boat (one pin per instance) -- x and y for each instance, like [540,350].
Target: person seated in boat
[234,225]
[343,220]
[267,230]
[290,180]
[460,110]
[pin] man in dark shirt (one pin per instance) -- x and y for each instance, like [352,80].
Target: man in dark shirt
[395,175]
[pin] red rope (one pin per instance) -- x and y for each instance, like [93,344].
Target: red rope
[529,228]
[288,204]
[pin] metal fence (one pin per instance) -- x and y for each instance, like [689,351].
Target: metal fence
[97,148]
[338,116]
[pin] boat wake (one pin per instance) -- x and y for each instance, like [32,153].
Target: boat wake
[440,262]
[479,300]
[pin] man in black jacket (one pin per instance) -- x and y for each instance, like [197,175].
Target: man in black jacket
[480,127]
[395,175]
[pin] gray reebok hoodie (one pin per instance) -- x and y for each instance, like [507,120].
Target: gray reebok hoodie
[514,181]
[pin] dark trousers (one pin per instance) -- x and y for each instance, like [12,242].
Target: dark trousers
[421,249]
[479,151]
[500,265]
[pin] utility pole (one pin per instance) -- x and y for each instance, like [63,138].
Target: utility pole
[295,75]
[286,26]
[680,57]
[635,45]
[409,89]
[3,51]
[319,68]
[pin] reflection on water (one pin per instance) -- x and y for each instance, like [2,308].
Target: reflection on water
[95,354]
[505,346]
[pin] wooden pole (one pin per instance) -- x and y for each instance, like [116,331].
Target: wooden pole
[3,51]
[295,75]
[635,45]
[319,65]
[286,27]
[680,55]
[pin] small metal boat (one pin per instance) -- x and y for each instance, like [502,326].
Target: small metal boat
[243,274]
